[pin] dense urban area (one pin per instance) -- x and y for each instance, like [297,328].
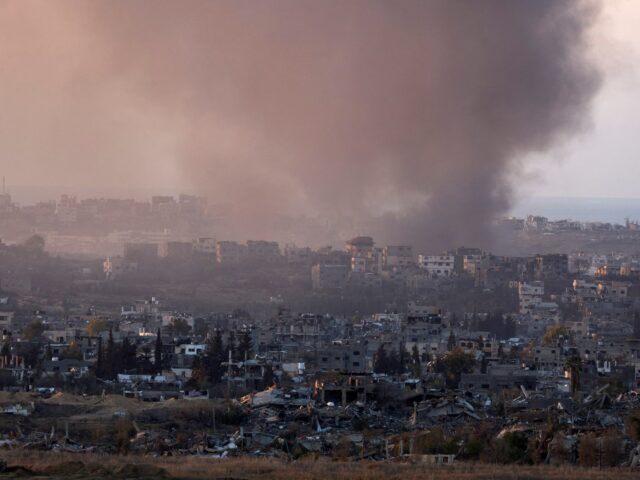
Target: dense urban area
[128,327]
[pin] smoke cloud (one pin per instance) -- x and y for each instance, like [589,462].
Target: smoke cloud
[405,119]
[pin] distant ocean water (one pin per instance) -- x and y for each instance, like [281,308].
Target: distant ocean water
[584,209]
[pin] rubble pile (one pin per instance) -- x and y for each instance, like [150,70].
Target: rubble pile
[291,422]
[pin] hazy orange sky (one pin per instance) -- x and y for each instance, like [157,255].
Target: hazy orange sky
[605,161]
[48,56]
[406,108]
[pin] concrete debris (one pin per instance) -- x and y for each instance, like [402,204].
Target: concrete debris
[294,421]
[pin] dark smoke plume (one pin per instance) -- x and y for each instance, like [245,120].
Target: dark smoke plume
[401,118]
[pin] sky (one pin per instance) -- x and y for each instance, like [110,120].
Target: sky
[603,161]
[411,118]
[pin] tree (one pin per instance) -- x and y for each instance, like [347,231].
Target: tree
[96,326]
[611,448]
[268,378]
[158,353]
[453,365]
[33,330]
[511,448]
[199,372]
[553,334]
[6,349]
[403,358]
[128,355]
[231,345]
[179,327]
[34,244]
[109,359]
[588,451]
[7,379]
[381,360]
[100,361]
[245,346]
[393,363]
[72,352]
[415,360]
[389,362]
[214,357]
[451,342]
[632,423]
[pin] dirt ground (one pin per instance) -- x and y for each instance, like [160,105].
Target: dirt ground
[54,466]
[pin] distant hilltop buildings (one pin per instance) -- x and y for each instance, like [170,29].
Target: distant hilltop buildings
[537,223]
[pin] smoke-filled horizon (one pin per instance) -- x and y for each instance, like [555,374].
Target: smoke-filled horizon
[404,119]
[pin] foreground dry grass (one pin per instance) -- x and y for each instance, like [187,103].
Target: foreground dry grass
[55,466]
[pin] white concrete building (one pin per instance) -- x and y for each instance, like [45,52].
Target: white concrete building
[529,295]
[190,348]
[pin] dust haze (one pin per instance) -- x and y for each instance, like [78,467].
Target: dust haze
[406,119]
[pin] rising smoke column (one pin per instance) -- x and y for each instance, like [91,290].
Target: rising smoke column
[404,117]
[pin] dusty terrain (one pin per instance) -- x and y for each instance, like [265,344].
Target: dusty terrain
[52,466]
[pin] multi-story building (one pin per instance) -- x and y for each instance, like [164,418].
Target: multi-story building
[556,264]
[114,267]
[529,295]
[421,330]
[437,265]
[140,251]
[398,256]
[67,209]
[346,357]
[6,318]
[230,252]
[298,255]
[365,280]
[263,250]
[204,246]
[325,276]
[471,263]
[177,250]
[613,290]
[362,254]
